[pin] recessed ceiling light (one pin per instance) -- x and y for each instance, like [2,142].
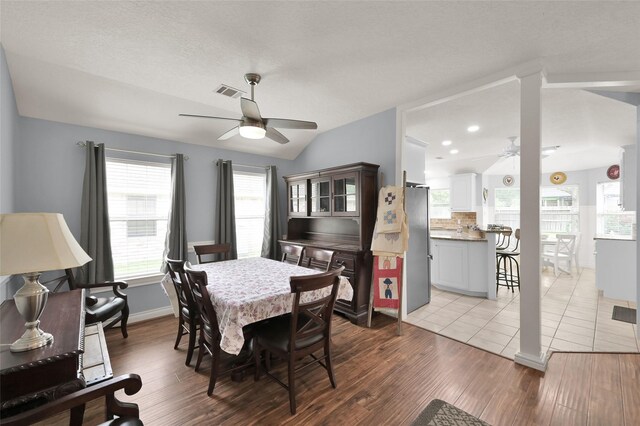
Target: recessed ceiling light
[453,151]
[550,150]
[446,143]
[473,128]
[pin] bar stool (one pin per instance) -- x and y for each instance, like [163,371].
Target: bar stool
[506,264]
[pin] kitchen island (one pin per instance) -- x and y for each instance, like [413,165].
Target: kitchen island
[464,263]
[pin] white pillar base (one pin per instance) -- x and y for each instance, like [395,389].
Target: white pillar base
[538,363]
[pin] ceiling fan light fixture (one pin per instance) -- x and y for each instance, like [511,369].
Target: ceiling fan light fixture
[550,150]
[252,131]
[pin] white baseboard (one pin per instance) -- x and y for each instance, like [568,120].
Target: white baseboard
[150,314]
[536,362]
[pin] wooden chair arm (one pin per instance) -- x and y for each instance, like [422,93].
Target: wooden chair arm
[131,383]
[115,284]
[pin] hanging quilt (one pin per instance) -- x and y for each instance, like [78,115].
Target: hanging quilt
[387,281]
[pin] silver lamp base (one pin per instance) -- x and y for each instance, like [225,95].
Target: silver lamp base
[30,301]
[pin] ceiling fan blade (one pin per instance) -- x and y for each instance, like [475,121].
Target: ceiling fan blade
[209,116]
[284,123]
[231,133]
[275,135]
[250,109]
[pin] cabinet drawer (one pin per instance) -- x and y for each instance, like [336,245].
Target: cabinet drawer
[349,262]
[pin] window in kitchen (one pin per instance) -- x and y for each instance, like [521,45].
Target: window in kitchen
[611,219]
[249,194]
[139,198]
[560,210]
[440,204]
[507,207]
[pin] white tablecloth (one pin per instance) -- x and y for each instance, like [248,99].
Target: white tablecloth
[245,291]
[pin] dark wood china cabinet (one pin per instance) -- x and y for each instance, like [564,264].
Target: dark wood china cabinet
[335,209]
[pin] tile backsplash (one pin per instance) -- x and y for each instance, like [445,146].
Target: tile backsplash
[466,218]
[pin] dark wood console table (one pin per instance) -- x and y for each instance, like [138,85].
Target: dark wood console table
[31,378]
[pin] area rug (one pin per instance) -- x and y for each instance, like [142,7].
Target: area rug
[621,313]
[440,413]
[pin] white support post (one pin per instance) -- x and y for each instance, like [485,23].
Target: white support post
[530,353]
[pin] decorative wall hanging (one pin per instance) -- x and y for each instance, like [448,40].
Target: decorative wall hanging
[613,172]
[485,194]
[508,180]
[558,178]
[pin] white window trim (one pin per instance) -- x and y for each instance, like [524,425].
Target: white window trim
[134,282]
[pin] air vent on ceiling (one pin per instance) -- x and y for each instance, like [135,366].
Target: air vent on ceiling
[229,91]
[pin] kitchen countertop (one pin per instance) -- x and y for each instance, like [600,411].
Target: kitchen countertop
[454,236]
[613,237]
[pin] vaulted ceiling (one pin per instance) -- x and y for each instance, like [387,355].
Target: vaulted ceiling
[133,66]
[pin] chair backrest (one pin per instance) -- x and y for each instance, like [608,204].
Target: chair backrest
[217,252]
[291,253]
[566,244]
[311,321]
[517,235]
[181,285]
[318,259]
[504,238]
[198,283]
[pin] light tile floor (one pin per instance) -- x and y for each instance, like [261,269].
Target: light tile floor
[574,318]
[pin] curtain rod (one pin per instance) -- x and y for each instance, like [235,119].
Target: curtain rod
[245,165]
[84,144]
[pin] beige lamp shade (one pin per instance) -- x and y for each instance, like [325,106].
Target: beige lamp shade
[37,242]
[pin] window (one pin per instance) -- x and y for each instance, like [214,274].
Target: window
[139,199]
[611,219]
[560,209]
[507,207]
[440,204]
[249,194]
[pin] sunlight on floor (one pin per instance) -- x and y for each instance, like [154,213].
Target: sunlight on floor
[574,318]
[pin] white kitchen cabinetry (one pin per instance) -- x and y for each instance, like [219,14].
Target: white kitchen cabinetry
[616,268]
[629,178]
[463,192]
[460,266]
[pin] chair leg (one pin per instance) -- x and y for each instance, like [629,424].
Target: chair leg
[200,351]
[123,321]
[292,387]
[215,362]
[192,342]
[179,336]
[327,353]
[267,360]
[256,360]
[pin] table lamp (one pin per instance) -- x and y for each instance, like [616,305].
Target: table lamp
[31,243]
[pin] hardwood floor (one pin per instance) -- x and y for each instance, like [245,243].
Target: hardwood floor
[382,379]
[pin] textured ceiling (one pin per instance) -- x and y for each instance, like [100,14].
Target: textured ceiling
[133,66]
[588,127]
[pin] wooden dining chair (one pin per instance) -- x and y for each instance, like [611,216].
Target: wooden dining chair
[188,317]
[209,339]
[307,330]
[318,259]
[291,253]
[214,252]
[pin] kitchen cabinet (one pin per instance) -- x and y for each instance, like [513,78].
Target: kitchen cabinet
[460,266]
[463,192]
[616,268]
[629,178]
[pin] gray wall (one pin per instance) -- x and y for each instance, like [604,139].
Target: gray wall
[371,139]
[50,168]
[8,140]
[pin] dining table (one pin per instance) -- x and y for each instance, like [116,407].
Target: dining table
[246,291]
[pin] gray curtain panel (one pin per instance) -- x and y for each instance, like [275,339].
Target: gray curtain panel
[225,229]
[175,243]
[95,234]
[270,246]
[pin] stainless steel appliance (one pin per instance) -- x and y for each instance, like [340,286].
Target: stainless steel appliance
[418,257]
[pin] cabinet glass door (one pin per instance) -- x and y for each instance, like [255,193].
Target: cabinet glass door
[321,197]
[345,195]
[298,198]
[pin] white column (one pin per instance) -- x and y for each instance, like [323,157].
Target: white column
[530,353]
[491,265]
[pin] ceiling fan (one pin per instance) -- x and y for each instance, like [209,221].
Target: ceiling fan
[252,125]
[513,150]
